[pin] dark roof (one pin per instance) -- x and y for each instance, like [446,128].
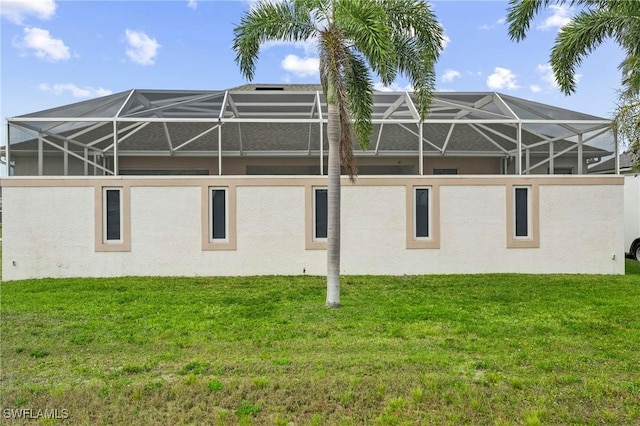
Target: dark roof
[609,166]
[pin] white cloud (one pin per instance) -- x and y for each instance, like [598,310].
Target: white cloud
[251,3]
[500,21]
[43,45]
[547,74]
[559,18]
[73,90]
[302,67]
[578,77]
[142,49]
[309,46]
[535,89]
[446,40]
[393,88]
[17,10]
[193,4]
[502,78]
[450,75]
[254,3]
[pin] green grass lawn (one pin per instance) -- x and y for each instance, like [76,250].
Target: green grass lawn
[477,349]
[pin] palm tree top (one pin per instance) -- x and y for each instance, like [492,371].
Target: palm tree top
[354,38]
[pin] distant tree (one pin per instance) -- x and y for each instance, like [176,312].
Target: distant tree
[597,21]
[627,124]
[354,38]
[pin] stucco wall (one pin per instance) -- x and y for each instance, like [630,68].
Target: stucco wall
[50,227]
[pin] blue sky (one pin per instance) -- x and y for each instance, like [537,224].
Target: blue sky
[58,52]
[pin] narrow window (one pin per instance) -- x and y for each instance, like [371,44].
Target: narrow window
[218,214]
[522,211]
[218,217]
[421,213]
[112,220]
[319,213]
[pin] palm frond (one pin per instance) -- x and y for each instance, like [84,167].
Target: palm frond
[417,41]
[579,38]
[630,69]
[347,159]
[574,42]
[359,88]
[414,19]
[269,21]
[520,14]
[628,36]
[365,24]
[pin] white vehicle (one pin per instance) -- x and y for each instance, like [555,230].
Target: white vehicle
[632,216]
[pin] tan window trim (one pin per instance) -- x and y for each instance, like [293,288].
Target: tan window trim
[230,242]
[423,243]
[533,241]
[125,244]
[310,242]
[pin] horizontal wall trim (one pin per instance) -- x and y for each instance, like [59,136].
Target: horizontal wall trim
[190,181]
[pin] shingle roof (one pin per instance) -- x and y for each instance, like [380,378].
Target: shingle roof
[609,166]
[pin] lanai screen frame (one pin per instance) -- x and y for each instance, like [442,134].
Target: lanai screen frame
[129,112]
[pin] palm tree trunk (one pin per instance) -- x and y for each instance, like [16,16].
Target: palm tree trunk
[333,207]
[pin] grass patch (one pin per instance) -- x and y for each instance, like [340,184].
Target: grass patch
[215,385]
[477,349]
[247,409]
[632,267]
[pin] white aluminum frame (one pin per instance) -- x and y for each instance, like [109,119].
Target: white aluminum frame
[304,107]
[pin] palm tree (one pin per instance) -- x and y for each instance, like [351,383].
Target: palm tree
[354,38]
[598,20]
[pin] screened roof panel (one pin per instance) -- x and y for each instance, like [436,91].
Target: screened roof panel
[103,107]
[173,96]
[464,98]
[185,121]
[208,104]
[529,109]
[181,104]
